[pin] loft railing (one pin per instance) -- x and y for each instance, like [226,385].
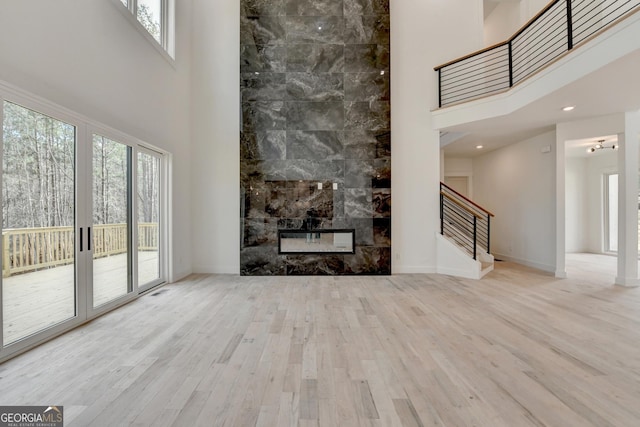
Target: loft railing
[31,249]
[464,222]
[558,28]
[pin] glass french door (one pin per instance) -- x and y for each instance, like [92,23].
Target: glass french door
[82,222]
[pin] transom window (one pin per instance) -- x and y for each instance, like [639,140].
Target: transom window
[156,17]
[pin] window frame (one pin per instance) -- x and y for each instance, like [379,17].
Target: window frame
[166,45]
[607,193]
[163,213]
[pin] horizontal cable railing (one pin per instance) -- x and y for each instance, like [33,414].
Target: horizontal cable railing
[540,43]
[558,28]
[30,249]
[464,222]
[476,76]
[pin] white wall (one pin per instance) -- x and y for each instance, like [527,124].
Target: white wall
[456,166]
[577,207]
[421,37]
[508,17]
[530,8]
[215,171]
[418,29]
[86,56]
[502,23]
[517,184]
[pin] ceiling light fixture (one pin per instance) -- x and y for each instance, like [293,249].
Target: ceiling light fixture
[479,147]
[600,146]
[569,108]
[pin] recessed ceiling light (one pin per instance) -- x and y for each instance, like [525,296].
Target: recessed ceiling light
[569,108]
[479,147]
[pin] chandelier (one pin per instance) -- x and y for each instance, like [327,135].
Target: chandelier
[601,146]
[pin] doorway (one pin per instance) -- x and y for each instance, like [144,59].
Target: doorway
[591,208]
[459,183]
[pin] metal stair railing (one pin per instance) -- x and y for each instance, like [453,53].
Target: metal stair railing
[464,222]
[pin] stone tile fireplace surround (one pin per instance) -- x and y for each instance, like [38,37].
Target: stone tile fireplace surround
[315,138]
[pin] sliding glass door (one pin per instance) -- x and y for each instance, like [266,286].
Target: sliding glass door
[111,232]
[149,193]
[82,221]
[38,222]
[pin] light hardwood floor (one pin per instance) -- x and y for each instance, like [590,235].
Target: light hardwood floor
[518,348]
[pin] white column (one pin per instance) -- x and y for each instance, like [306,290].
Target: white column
[628,201]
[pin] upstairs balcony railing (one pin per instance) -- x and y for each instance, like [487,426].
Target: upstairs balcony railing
[558,28]
[464,222]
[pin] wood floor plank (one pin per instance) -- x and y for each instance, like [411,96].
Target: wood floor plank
[518,348]
[369,410]
[309,399]
[288,414]
[407,413]
[327,416]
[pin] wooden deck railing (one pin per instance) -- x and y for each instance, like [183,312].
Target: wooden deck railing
[30,249]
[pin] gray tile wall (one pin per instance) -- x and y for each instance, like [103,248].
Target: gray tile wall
[314,80]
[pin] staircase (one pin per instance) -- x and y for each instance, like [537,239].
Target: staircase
[464,240]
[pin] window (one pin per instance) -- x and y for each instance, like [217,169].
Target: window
[611,212]
[156,17]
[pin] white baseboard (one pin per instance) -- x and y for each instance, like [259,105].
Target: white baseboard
[457,273]
[216,269]
[544,267]
[409,269]
[561,274]
[179,276]
[627,282]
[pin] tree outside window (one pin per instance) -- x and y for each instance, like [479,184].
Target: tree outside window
[155,17]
